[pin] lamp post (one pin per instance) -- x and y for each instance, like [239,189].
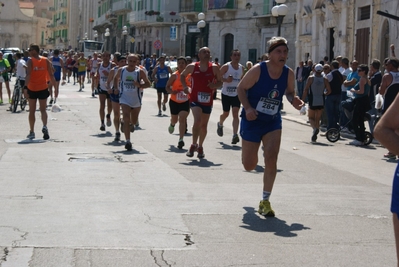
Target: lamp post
[107,34]
[86,36]
[201,26]
[95,35]
[279,11]
[124,33]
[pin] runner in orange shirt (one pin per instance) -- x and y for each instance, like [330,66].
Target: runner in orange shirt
[179,100]
[38,71]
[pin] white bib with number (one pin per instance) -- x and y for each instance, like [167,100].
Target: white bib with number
[204,97]
[181,96]
[268,106]
[163,75]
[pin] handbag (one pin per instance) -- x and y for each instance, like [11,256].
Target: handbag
[379,101]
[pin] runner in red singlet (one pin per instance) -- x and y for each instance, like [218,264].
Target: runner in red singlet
[205,79]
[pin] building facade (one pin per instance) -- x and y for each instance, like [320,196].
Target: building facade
[16,28]
[350,28]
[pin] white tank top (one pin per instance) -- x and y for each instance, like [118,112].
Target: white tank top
[129,94]
[230,89]
[104,77]
[395,77]
[94,65]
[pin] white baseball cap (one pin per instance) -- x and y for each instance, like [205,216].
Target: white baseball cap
[318,68]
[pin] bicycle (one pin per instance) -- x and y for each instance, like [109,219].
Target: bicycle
[18,97]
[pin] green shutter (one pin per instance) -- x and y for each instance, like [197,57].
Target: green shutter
[198,5]
[266,7]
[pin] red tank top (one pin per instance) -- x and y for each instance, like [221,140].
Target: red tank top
[200,92]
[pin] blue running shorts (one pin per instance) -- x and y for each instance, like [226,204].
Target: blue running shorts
[253,131]
[395,192]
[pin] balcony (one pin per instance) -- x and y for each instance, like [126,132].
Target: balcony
[122,7]
[163,18]
[137,18]
[140,18]
[190,8]
[223,8]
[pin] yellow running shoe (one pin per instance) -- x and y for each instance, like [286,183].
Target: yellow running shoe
[265,208]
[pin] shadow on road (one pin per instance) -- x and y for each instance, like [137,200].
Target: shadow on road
[102,135]
[203,163]
[274,225]
[227,146]
[175,149]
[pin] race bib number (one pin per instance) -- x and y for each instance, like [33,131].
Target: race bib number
[231,89]
[204,97]
[268,106]
[82,64]
[104,79]
[163,75]
[129,86]
[181,96]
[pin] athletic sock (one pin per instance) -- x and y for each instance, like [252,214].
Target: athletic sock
[266,195]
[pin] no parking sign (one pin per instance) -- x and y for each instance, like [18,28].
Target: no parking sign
[157,44]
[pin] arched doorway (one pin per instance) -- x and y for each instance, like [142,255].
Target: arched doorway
[384,44]
[228,47]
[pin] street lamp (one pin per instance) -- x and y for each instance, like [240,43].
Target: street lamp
[95,35]
[279,11]
[86,36]
[124,33]
[201,26]
[107,34]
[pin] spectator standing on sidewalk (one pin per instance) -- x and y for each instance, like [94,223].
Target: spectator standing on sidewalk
[375,77]
[351,80]
[299,78]
[333,96]
[361,104]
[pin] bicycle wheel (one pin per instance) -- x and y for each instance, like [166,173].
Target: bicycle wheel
[368,138]
[23,102]
[333,135]
[15,99]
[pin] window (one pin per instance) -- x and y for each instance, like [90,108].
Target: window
[364,13]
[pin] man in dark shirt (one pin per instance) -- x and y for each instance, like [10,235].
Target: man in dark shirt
[375,79]
[299,79]
[333,97]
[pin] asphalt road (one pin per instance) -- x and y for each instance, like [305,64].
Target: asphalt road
[80,199]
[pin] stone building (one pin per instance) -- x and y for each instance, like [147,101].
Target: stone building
[350,28]
[16,28]
[170,27]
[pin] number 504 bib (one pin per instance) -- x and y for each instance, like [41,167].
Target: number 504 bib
[268,106]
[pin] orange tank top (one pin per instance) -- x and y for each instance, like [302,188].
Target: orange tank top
[180,97]
[38,75]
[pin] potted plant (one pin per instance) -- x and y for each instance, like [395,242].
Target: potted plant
[157,13]
[159,18]
[172,13]
[149,13]
[91,20]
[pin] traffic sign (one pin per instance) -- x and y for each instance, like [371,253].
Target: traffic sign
[132,40]
[157,44]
